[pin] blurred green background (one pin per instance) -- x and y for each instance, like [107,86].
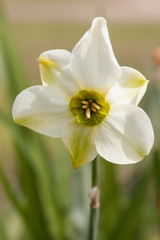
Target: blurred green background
[41,197]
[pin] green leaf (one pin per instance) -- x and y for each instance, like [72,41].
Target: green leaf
[129,222]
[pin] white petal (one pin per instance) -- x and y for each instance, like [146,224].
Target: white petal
[129,89]
[43,109]
[93,63]
[80,145]
[55,69]
[125,136]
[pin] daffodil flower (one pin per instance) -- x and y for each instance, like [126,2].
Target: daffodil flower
[89,101]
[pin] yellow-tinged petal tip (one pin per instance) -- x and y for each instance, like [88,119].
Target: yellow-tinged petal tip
[47,62]
[143,154]
[135,83]
[47,68]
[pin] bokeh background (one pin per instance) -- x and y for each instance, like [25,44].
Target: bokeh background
[41,197]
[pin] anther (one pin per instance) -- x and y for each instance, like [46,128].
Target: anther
[88,113]
[84,106]
[85,102]
[95,106]
[93,109]
[90,100]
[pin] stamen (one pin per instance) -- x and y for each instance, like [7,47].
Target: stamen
[88,106]
[95,106]
[85,102]
[88,113]
[84,106]
[93,109]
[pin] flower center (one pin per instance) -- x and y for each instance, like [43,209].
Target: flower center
[89,107]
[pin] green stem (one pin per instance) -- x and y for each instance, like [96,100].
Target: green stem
[95,173]
[94,211]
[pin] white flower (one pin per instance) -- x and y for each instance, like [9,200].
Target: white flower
[89,101]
